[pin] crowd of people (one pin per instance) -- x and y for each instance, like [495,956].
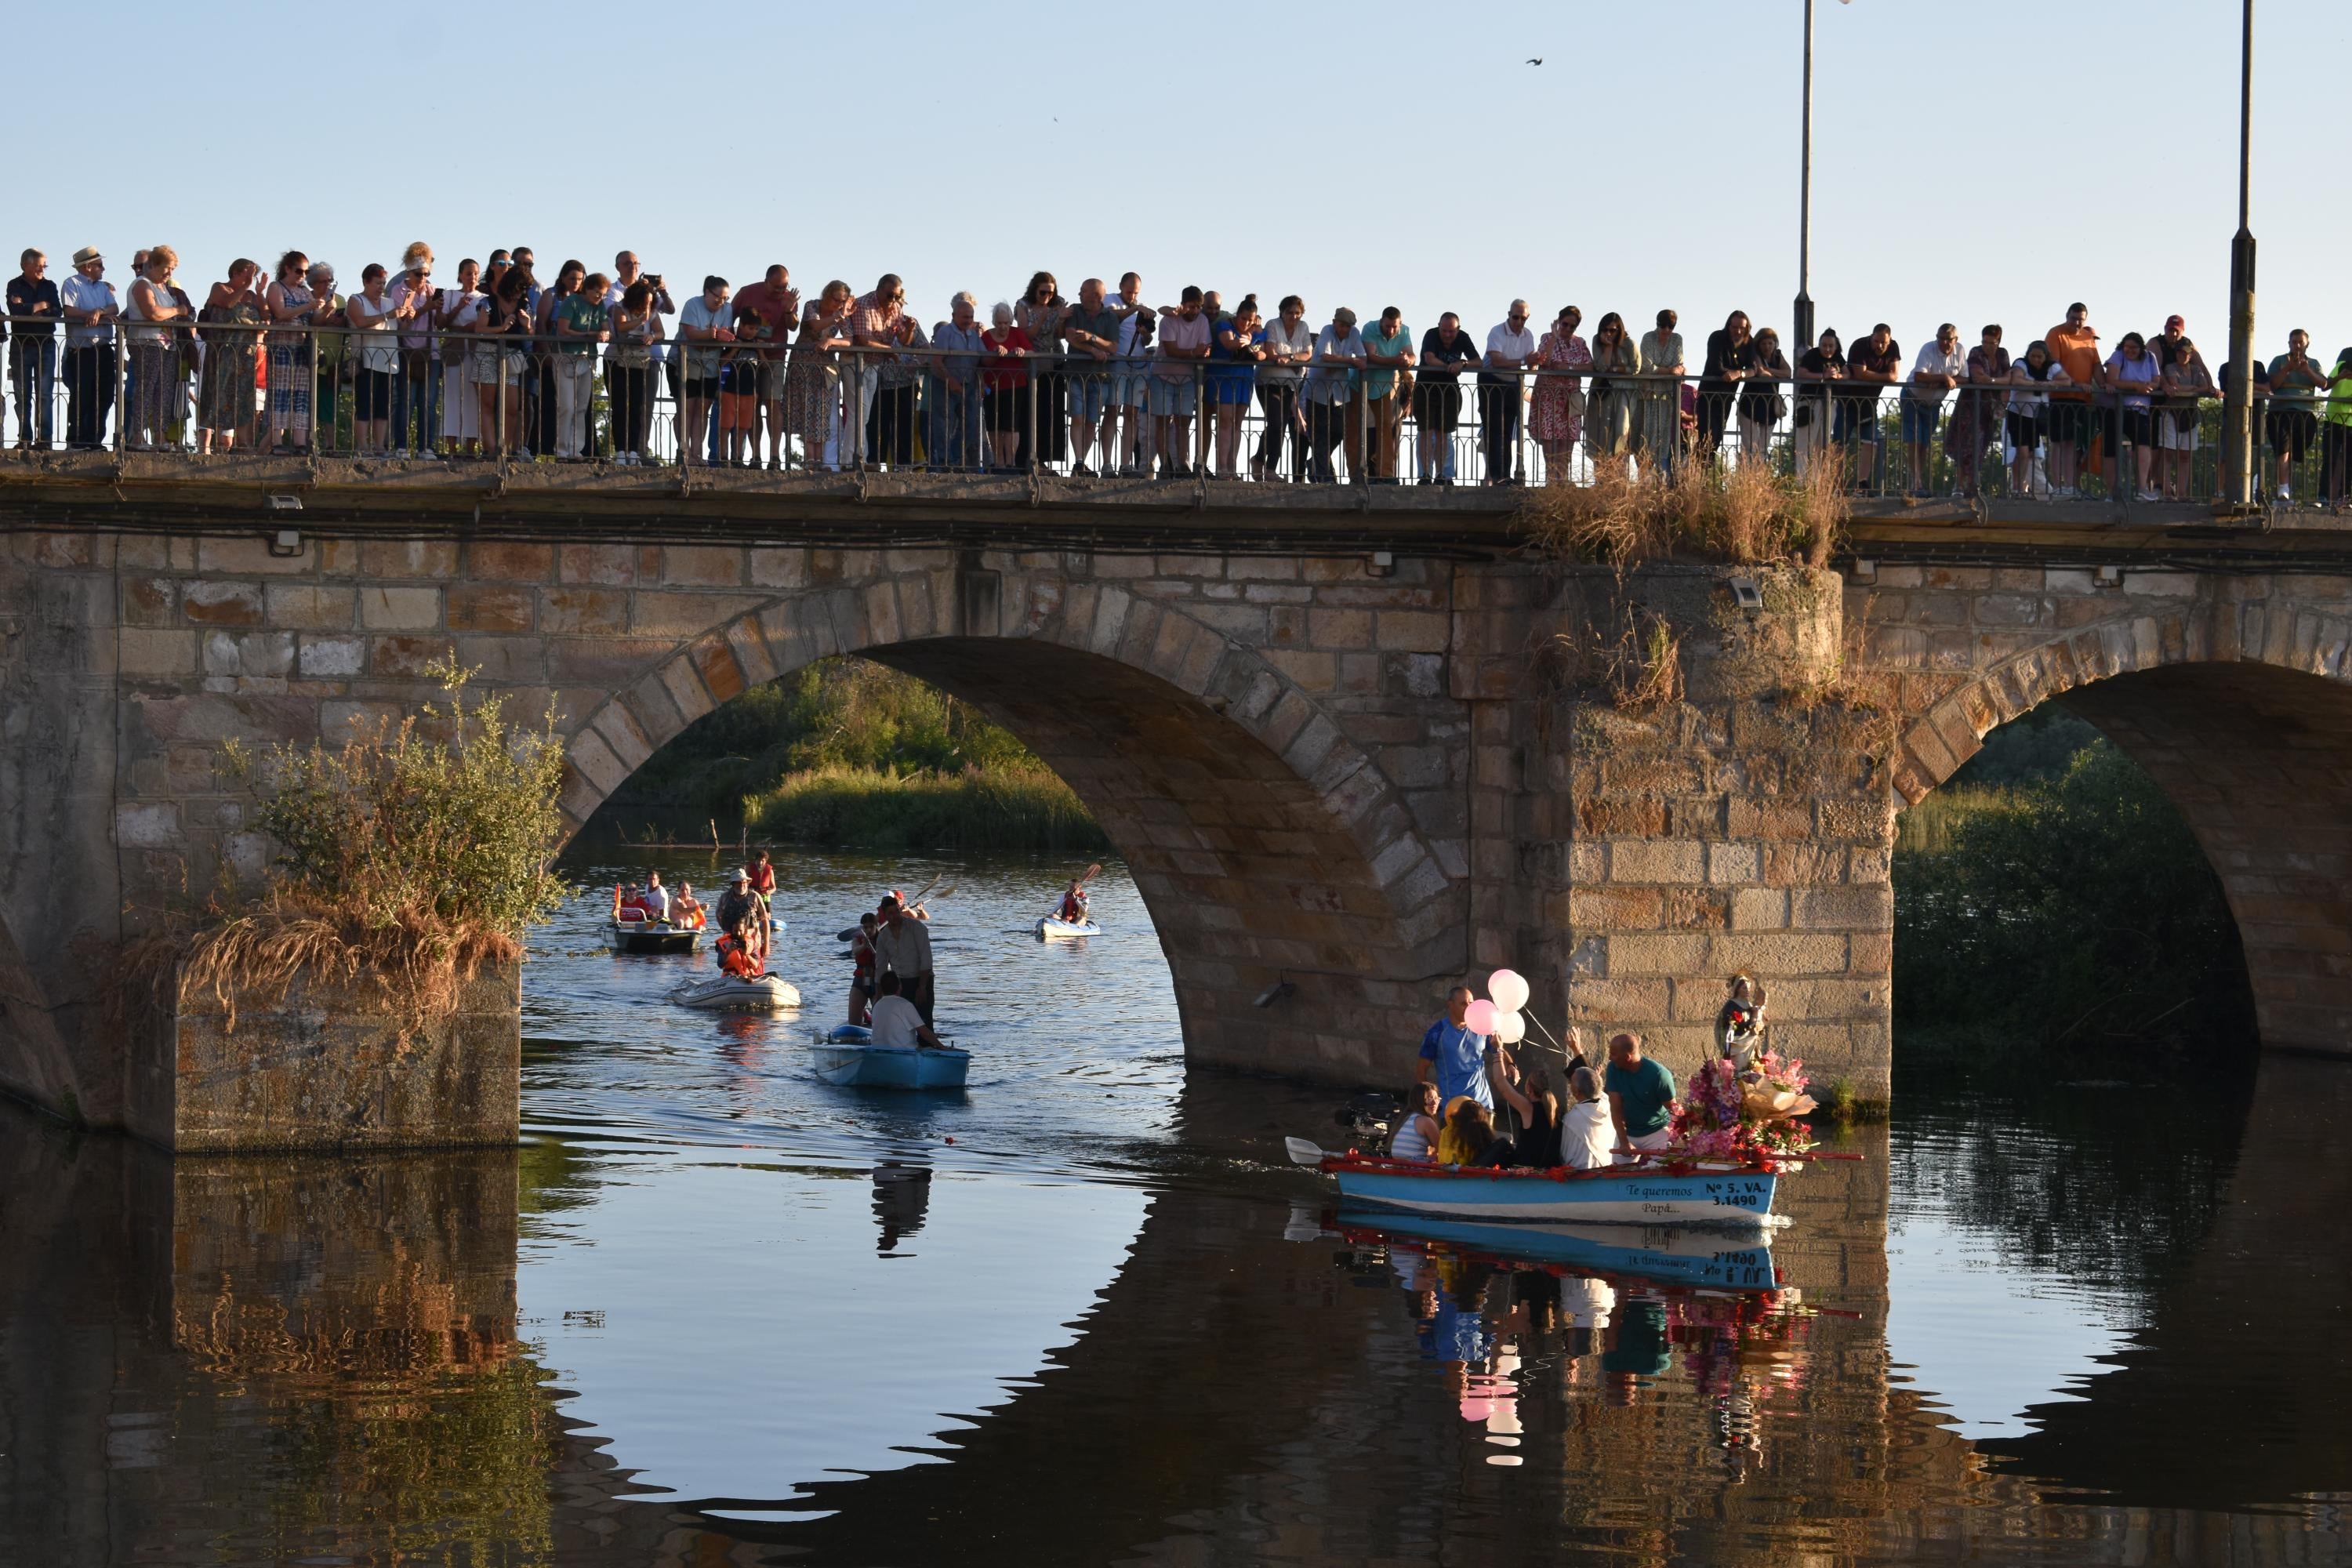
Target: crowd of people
[495,362]
[1614,1112]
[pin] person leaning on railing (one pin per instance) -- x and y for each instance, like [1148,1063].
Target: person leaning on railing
[1041,314]
[1447,351]
[417,390]
[706,321]
[1387,351]
[1818,426]
[1555,418]
[2073,417]
[1090,328]
[2027,418]
[583,326]
[1239,345]
[629,372]
[1329,390]
[775,305]
[1763,398]
[2134,373]
[1510,349]
[1289,344]
[2336,435]
[91,309]
[1936,371]
[1609,408]
[376,355]
[231,332]
[951,438]
[1729,353]
[2187,383]
[812,385]
[1003,386]
[1976,421]
[2295,380]
[33,310]
[1661,424]
[154,353]
[500,360]
[455,312]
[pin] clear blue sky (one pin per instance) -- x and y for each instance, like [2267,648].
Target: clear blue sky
[1976,161]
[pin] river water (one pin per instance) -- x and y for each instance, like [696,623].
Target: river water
[716,1311]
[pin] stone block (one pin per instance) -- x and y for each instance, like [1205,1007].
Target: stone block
[505,561]
[431,559]
[1309,670]
[235,557]
[1866,908]
[1760,908]
[149,602]
[1340,628]
[1730,864]
[146,825]
[493,606]
[1414,631]
[683,615]
[594,611]
[1632,953]
[307,606]
[400,609]
[141,651]
[774,568]
[1657,860]
[409,656]
[215,602]
[598,565]
[1774,954]
[702,566]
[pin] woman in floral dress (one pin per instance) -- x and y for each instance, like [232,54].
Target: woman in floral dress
[1557,419]
[812,379]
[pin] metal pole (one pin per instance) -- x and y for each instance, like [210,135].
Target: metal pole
[1803,332]
[2239,484]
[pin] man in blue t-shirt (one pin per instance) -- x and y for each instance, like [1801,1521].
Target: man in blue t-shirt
[1456,1054]
[1641,1097]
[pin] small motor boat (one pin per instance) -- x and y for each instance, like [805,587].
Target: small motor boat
[847,1055]
[653,937]
[1054,925]
[729,993]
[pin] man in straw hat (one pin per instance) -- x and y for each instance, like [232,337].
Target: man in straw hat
[91,363]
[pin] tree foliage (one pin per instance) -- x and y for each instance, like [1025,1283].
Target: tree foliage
[2066,909]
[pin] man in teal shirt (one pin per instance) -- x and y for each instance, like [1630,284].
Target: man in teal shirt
[1641,1098]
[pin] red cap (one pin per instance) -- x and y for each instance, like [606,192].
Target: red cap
[2174,324]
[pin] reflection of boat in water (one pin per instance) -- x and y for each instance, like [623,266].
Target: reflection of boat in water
[729,993]
[1667,1255]
[847,1055]
[653,937]
[1667,1192]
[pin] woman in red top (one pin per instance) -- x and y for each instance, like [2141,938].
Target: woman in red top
[764,876]
[1004,386]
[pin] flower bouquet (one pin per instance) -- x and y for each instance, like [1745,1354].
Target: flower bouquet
[1728,1114]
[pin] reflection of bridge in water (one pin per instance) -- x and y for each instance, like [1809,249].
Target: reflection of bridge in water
[1234,1394]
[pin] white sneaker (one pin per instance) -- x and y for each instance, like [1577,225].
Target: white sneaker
[2283,495]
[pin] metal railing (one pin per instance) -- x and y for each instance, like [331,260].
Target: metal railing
[211,387]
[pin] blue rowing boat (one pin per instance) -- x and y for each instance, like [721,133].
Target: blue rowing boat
[847,1055]
[1667,1255]
[1654,1192]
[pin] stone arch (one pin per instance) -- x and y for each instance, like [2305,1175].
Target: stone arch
[1268,842]
[2243,712]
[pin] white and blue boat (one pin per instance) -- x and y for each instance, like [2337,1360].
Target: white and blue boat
[1682,1256]
[1654,1192]
[847,1055]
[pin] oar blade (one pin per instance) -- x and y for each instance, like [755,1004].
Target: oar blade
[1304,1152]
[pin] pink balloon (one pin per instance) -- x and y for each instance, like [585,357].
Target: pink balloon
[1480,1019]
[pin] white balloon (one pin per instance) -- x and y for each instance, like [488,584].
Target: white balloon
[1510,1028]
[1509,989]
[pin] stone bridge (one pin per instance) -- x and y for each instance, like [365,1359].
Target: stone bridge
[1360,740]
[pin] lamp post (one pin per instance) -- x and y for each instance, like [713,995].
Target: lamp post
[2238,481]
[1803,313]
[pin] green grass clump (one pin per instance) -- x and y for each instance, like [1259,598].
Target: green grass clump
[1009,808]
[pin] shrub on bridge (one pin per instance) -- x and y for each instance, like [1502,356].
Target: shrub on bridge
[1737,512]
[415,852]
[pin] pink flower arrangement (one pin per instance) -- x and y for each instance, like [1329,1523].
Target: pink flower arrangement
[1730,1115]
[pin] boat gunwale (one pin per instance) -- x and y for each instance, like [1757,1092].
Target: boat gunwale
[1366,1165]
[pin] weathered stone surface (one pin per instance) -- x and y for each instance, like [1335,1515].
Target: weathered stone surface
[326,1066]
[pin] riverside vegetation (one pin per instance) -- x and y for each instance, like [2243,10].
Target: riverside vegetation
[849,754]
[409,858]
[2052,895]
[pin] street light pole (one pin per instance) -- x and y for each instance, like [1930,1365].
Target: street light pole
[2239,485]
[1803,336]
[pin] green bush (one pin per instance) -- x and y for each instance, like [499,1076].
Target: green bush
[2075,907]
[1007,807]
[450,815]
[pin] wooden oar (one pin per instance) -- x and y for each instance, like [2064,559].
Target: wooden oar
[1303,1153]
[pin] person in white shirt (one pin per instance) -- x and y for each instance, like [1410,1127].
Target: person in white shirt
[1588,1136]
[896,1022]
[1935,372]
[1511,349]
[656,897]
[1330,394]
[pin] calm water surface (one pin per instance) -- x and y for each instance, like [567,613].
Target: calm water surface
[717,1311]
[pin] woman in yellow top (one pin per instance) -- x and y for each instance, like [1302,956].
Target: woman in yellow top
[1466,1133]
[2336,435]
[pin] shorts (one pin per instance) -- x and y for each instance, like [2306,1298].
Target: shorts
[1089,394]
[738,411]
[372,397]
[702,388]
[1920,421]
[2024,430]
[2178,431]
[2136,425]
[2292,430]
[771,380]
[1437,405]
[1652,1142]
[1173,399]
[1230,391]
[1130,388]
[2068,427]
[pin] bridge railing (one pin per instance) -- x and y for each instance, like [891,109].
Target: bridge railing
[216,387]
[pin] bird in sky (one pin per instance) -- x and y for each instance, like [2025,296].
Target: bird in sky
[1537,60]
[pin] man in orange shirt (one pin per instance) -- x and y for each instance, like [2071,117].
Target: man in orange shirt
[2075,347]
